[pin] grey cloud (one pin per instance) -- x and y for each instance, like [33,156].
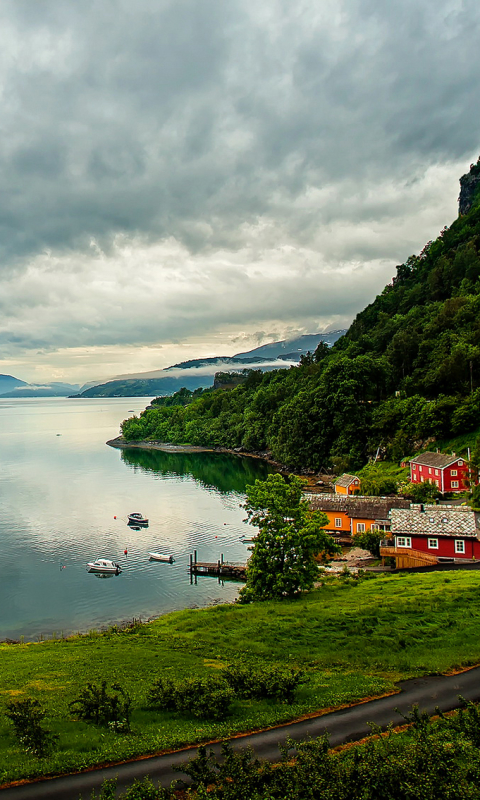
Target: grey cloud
[235,130]
[154,116]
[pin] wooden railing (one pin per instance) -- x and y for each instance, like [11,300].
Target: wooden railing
[407,556]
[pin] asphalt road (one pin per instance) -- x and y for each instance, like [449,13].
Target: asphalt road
[347,725]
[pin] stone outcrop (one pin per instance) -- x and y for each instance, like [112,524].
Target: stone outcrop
[469,189]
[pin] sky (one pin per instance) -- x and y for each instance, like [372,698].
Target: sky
[189,178]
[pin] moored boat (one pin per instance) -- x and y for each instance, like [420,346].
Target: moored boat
[137,519]
[161,557]
[104,566]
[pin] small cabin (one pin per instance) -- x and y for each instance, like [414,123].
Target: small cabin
[347,484]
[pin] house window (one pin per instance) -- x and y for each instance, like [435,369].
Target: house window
[414,466]
[433,544]
[429,470]
[403,541]
[460,463]
[338,522]
[454,484]
[438,483]
[436,472]
[459,546]
[360,527]
[375,526]
[420,468]
[453,472]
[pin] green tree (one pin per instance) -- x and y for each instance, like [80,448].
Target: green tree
[290,537]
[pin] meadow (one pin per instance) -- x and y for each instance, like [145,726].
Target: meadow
[353,638]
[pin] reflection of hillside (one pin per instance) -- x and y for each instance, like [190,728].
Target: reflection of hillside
[221,471]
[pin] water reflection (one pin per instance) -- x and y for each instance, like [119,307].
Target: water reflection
[224,472]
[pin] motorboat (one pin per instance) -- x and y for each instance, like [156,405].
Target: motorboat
[104,566]
[161,557]
[137,519]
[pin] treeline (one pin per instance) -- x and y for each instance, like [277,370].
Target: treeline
[407,370]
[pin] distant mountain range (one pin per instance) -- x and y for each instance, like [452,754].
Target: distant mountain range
[13,387]
[199,373]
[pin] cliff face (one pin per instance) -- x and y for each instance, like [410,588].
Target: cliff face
[469,189]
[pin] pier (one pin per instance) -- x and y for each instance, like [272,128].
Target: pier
[220,568]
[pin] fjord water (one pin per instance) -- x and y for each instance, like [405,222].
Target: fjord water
[61,487]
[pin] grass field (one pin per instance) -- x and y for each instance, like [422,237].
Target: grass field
[354,638]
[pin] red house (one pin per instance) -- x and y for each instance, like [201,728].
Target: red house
[450,473]
[429,534]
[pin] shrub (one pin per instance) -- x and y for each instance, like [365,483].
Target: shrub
[208,698]
[95,704]
[279,683]
[26,717]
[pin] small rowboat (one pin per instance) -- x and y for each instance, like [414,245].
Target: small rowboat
[161,557]
[137,519]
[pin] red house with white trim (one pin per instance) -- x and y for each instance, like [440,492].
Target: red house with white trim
[430,534]
[450,473]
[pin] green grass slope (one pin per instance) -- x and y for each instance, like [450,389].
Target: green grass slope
[353,638]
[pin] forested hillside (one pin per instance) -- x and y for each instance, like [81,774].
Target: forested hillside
[407,370]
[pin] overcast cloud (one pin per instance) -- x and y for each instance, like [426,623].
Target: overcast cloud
[180,175]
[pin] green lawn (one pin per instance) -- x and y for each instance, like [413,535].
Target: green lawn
[354,639]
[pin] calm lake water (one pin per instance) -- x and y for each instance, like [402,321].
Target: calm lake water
[61,488]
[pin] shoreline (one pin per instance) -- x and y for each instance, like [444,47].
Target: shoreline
[165,447]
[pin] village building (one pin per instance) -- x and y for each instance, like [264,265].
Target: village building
[432,534]
[349,515]
[347,484]
[450,473]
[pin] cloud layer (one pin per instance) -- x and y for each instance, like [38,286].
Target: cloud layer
[177,171]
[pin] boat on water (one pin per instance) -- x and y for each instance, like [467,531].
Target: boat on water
[161,557]
[104,566]
[135,518]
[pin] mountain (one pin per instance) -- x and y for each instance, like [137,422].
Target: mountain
[54,389]
[200,372]
[405,374]
[301,345]
[8,383]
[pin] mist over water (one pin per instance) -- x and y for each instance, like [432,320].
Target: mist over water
[60,491]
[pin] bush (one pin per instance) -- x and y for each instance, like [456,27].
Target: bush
[370,540]
[279,683]
[202,697]
[95,704]
[26,717]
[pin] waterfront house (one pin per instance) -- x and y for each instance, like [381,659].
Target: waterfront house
[347,484]
[348,515]
[450,473]
[432,534]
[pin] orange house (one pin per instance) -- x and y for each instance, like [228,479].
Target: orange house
[349,515]
[347,484]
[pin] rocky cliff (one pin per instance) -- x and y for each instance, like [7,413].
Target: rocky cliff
[469,189]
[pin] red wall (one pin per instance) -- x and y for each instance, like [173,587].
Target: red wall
[461,476]
[446,546]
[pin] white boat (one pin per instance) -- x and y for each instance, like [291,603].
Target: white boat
[161,557]
[104,566]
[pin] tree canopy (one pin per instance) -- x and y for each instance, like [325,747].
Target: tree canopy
[290,537]
[408,369]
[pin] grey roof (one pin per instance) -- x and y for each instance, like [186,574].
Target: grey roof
[346,480]
[356,505]
[433,521]
[438,460]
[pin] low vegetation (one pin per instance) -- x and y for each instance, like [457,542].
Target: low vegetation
[351,638]
[432,759]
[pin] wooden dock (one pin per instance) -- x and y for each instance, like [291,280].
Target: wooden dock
[220,568]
